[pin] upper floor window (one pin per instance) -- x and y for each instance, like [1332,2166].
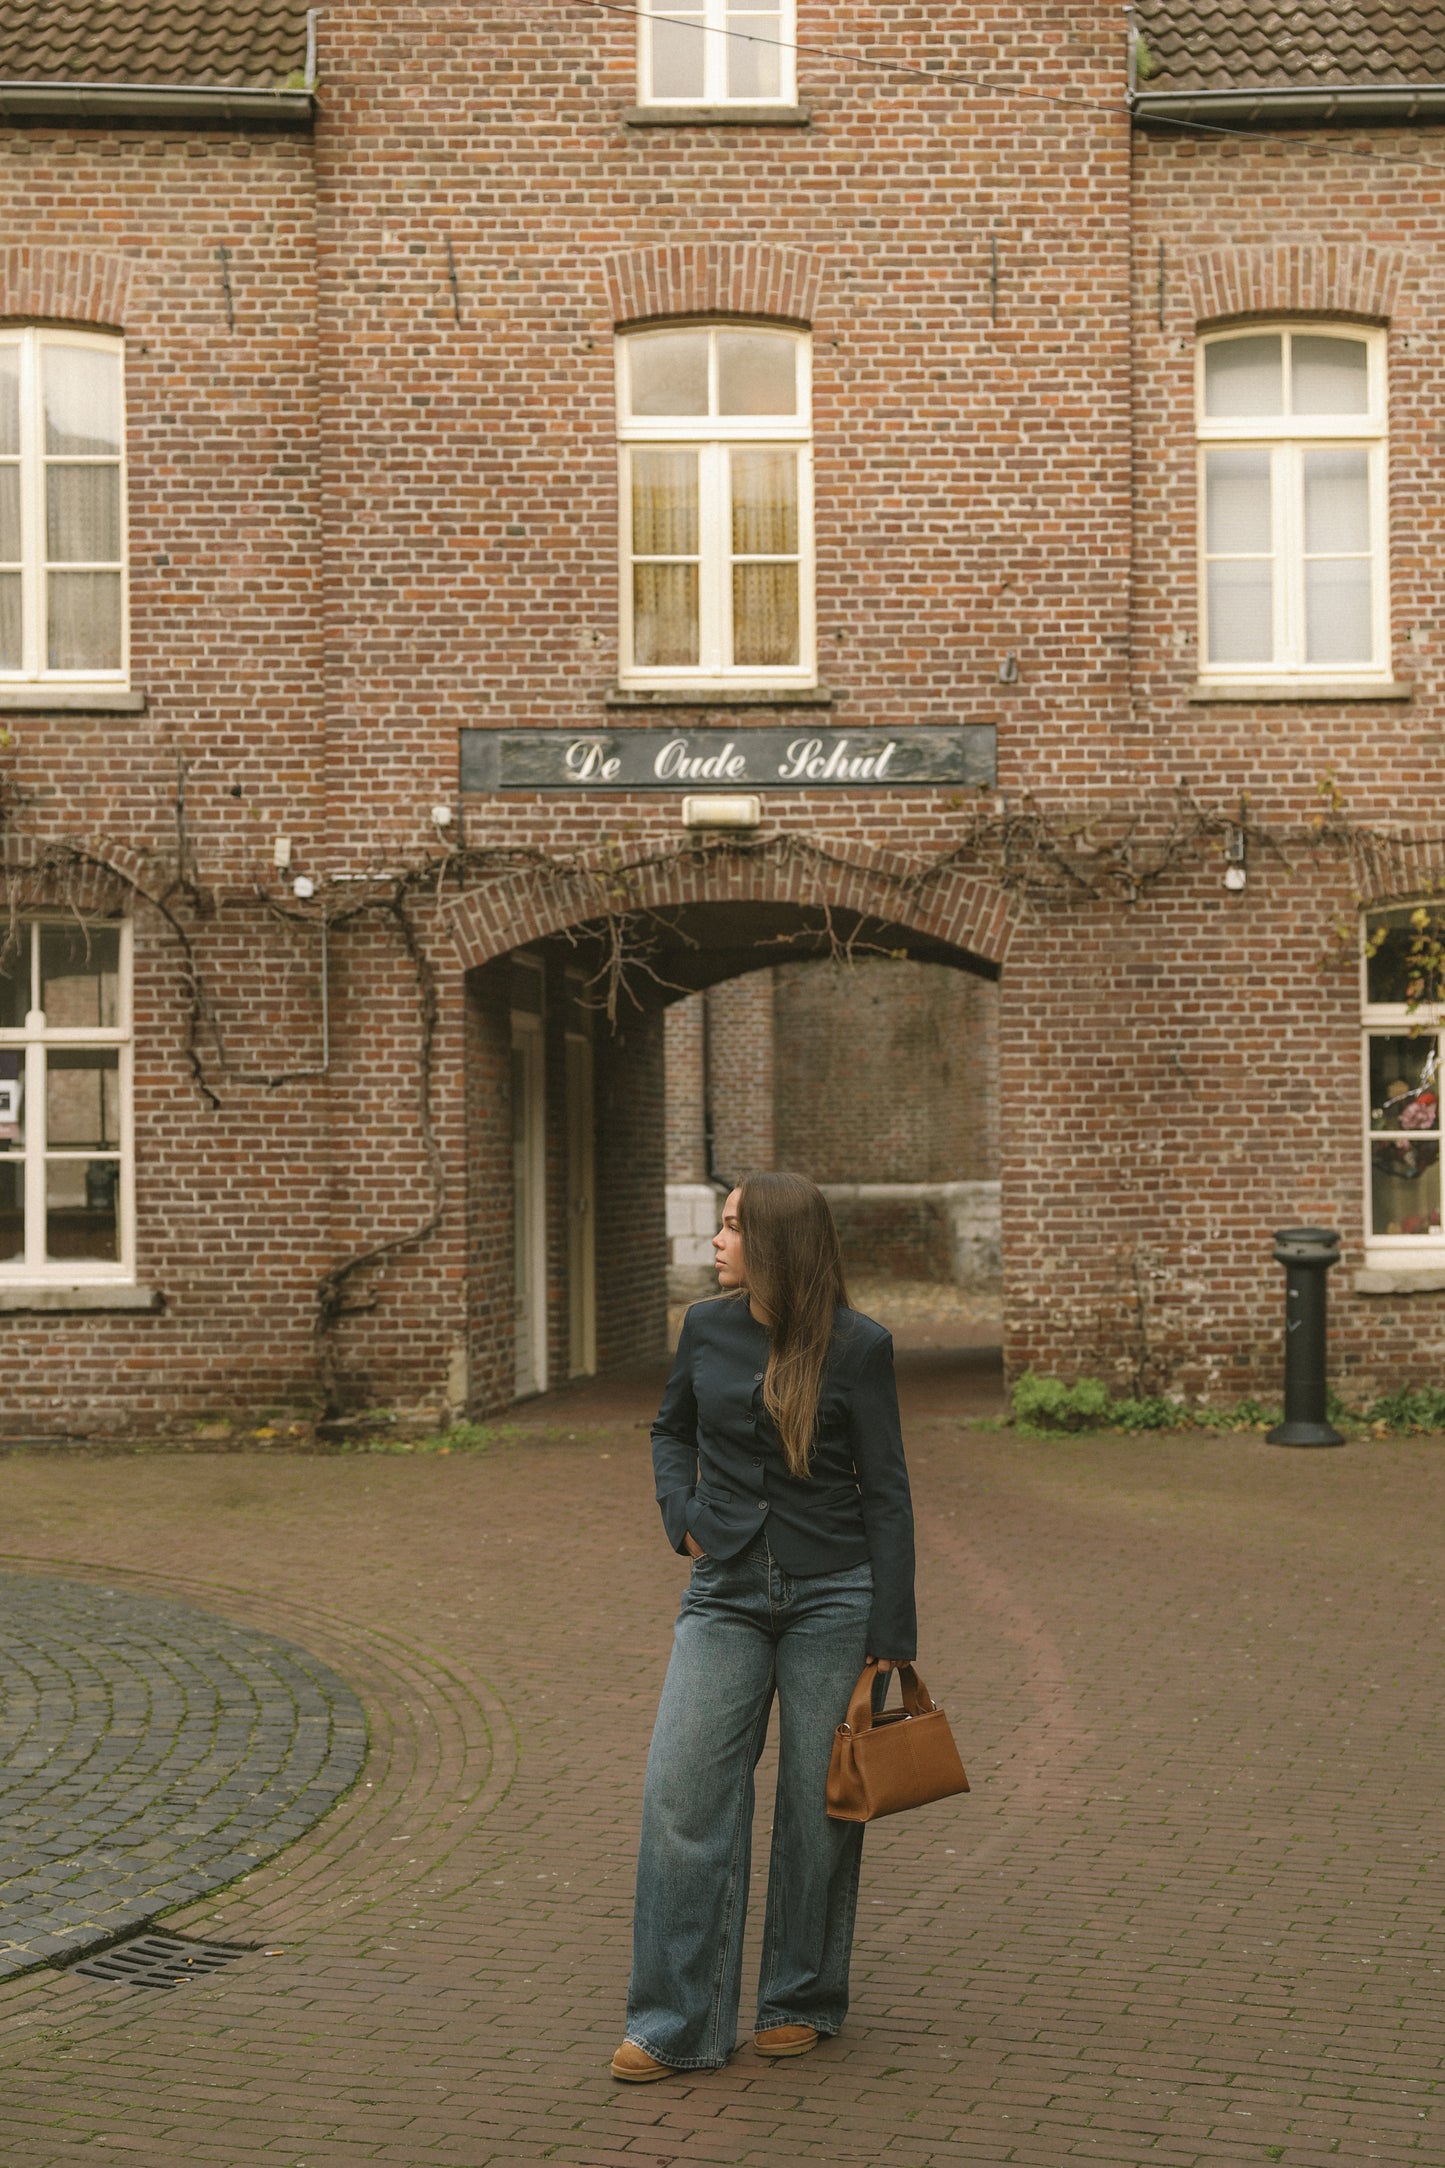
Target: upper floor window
[62,506]
[716,498]
[1293,506]
[65,1099]
[715,52]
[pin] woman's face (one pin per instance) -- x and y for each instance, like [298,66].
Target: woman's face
[727,1246]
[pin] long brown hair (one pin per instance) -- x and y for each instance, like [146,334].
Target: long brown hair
[794,1266]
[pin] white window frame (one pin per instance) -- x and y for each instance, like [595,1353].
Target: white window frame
[35,1038]
[716,40]
[1287,437]
[1396,1019]
[34,565]
[715,437]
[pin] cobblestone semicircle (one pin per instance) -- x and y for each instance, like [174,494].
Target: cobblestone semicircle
[149,1752]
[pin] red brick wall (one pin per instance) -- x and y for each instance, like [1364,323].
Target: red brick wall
[741,1069]
[887,1072]
[686,1149]
[358,525]
[631,1192]
[119,230]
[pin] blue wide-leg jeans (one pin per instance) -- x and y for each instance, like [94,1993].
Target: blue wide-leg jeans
[746,1631]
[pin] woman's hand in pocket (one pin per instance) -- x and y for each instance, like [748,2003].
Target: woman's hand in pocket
[692,1547]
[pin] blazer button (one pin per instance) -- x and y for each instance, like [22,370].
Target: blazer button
[762,1505]
[757,1377]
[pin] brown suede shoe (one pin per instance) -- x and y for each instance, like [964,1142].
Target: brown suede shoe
[636,2067]
[785,2040]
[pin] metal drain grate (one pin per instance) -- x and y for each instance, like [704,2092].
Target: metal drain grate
[158,1960]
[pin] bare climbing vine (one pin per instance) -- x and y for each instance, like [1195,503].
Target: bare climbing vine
[1043,860]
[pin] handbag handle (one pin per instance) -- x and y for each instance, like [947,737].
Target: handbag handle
[916,1698]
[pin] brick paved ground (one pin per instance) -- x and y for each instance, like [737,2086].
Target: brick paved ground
[1190,1913]
[148,1752]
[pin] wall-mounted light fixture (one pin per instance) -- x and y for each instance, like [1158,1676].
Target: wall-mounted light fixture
[1235,876]
[721,809]
[1008,670]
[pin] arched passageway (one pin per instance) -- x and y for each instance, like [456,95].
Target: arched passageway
[572,1256]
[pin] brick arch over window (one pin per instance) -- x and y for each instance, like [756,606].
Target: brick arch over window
[1389,869]
[38,875]
[1295,278]
[964,911]
[64,285]
[713,278]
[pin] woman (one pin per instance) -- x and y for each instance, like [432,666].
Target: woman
[780,1473]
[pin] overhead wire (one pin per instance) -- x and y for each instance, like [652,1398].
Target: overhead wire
[914,72]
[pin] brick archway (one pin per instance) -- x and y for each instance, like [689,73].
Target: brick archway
[960,909]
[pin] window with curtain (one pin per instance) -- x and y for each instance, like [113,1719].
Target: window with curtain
[1293,504]
[62,506]
[716,499]
[713,52]
[65,1099]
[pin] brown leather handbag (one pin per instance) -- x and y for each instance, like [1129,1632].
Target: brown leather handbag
[902,1758]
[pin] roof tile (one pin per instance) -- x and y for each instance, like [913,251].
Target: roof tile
[1233,45]
[254,44]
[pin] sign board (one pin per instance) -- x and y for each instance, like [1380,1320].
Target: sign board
[791,757]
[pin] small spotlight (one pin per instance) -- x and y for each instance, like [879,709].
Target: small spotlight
[1235,878]
[303,886]
[442,816]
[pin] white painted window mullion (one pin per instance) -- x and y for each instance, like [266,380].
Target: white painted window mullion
[1287,484]
[715,603]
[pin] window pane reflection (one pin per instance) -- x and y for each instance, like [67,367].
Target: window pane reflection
[12,1210]
[82,1096]
[765,614]
[81,1218]
[1405,942]
[1405,1187]
[765,503]
[1237,501]
[754,70]
[664,504]
[14,979]
[1404,1083]
[1338,616]
[665,626]
[9,399]
[83,621]
[1244,377]
[1330,376]
[1241,610]
[80,976]
[669,373]
[82,401]
[679,56]
[11,647]
[12,1099]
[757,373]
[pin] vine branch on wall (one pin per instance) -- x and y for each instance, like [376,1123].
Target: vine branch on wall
[1043,860]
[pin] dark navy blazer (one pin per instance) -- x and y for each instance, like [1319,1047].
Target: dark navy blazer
[721,1475]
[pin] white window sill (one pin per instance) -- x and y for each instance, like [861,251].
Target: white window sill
[1257,690]
[717,116]
[57,1296]
[1401,1275]
[71,699]
[719,696]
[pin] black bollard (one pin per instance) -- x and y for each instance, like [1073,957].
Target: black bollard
[1306,1254]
